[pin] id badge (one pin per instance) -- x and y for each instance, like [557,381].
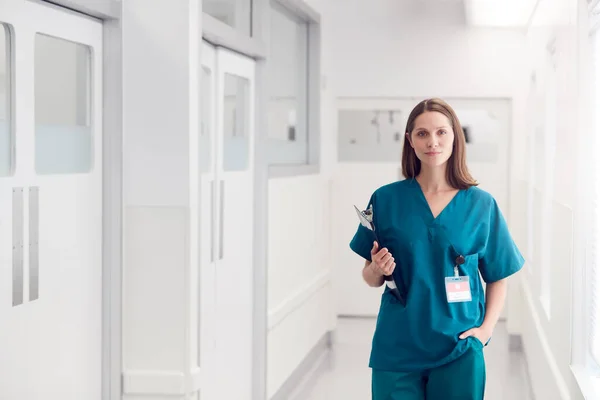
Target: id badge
[458,289]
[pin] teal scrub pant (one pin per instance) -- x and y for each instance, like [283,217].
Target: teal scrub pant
[461,379]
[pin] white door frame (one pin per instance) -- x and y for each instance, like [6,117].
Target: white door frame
[112,211]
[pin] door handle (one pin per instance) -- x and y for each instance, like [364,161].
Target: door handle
[212,220]
[221,214]
[17,246]
[34,228]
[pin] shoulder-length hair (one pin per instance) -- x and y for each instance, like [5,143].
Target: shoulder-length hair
[457,173]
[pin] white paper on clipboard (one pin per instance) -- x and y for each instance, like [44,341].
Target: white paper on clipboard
[363,219]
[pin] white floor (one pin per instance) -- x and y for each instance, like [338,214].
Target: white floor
[347,377]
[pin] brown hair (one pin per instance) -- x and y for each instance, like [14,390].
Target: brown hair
[457,173]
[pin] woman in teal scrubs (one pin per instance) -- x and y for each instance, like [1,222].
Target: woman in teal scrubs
[440,235]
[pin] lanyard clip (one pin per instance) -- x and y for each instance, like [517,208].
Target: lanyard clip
[460,260]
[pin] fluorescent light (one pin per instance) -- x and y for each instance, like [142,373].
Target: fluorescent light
[555,12]
[501,13]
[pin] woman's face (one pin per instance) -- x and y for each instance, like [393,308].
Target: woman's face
[432,139]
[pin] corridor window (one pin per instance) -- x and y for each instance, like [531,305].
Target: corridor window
[6,138]
[206,129]
[292,73]
[63,133]
[235,123]
[235,13]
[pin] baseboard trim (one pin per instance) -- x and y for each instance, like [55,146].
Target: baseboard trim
[357,316]
[154,383]
[306,374]
[542,341]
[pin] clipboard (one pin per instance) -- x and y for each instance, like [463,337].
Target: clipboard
[366,219]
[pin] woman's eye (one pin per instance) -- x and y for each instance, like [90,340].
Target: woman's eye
[443,132]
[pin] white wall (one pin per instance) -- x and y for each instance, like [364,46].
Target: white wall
[299,292]
[547,284]
[160,114]
[400,49]
[300,303]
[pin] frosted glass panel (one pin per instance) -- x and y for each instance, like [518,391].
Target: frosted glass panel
[375,135]
[6,142]
[483,134]
[63,133]
[62,149]
[236,123]
[206,135]
[5,149]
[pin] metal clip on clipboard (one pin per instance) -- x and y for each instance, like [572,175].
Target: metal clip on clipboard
[366,220]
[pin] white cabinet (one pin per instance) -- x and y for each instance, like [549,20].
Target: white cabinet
[226,150]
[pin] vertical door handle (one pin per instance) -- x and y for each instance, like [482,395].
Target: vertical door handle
[221,213]
[212,221]
[34,228]
[17,246]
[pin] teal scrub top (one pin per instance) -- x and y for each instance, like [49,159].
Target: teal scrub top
[425,333]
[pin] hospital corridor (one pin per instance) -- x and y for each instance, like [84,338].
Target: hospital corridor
[299,200]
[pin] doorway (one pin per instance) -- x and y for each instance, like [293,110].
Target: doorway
[226,217]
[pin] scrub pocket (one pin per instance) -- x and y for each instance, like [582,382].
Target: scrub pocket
[469,312]
[475,343]
[388,298]
[471,269]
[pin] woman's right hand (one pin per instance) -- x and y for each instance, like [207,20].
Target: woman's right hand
[382,261]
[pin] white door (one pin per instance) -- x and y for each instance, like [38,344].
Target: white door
[227,223]
[50,204]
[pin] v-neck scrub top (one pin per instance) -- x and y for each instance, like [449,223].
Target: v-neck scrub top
[424,334]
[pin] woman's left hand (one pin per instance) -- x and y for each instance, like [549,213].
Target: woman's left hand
[482,334]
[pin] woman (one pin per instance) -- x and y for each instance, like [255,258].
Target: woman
[438,233]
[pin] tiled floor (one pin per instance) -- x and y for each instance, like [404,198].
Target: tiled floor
[348,376]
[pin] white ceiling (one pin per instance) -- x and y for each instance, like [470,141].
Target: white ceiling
[477,13]
[519,13]
[504,13]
